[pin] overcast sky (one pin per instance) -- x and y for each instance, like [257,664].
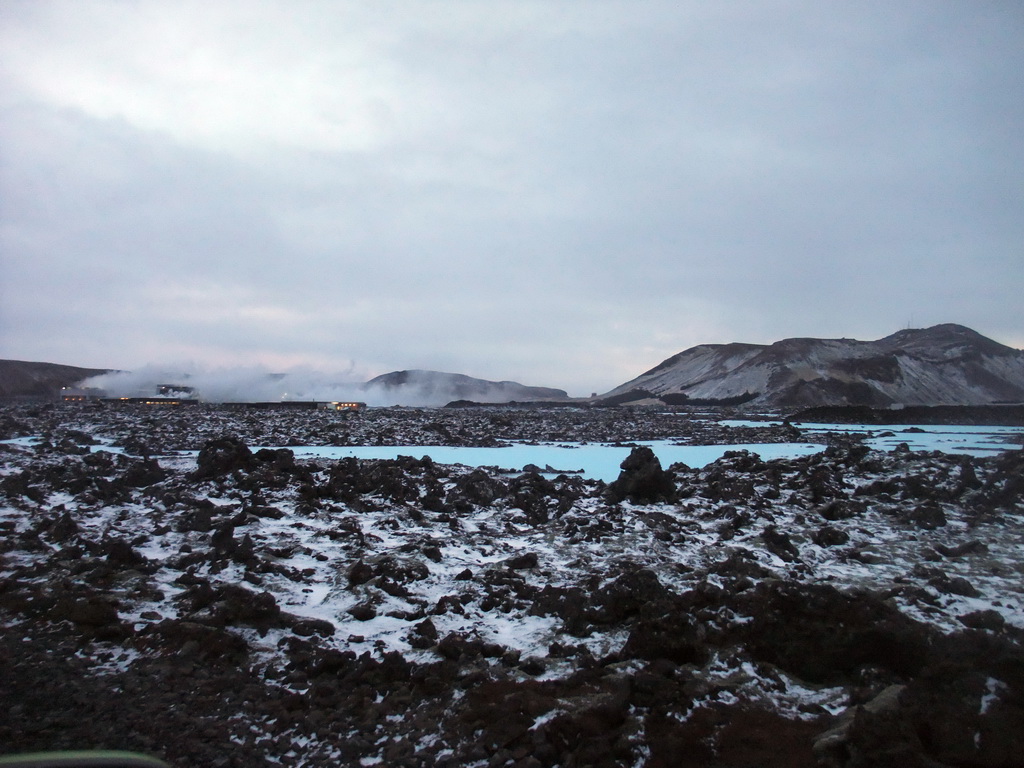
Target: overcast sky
[554,192]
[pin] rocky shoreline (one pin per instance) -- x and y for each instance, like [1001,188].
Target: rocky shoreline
[243,607]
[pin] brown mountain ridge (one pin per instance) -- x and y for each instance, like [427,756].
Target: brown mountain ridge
[39,381]
[946,364]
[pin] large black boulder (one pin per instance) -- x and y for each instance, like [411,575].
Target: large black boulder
[477,488]
[222,456]
[822,635]
[642,480]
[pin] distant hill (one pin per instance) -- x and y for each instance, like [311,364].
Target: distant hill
[942,365]
[434,388]
[43,381]
[24,380]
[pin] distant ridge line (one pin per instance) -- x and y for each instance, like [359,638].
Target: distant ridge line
[945,364]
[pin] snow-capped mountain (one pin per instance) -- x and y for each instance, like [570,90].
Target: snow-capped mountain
[943,365]
[436,388]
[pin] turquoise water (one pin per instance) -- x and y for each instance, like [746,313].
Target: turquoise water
[600,462]
[948,438]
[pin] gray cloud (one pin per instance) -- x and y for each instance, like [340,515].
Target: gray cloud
[557,194]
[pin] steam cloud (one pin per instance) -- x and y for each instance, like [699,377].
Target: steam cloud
[255,384]
[228,384]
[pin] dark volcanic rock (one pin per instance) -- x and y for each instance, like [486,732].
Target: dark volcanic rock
[987,619]
[360,573]
[927,516]
[779,544]
[477,488]
[120,552]
[399,569]
[823,635]
[673,635]
[525,560]
[309,627]
[423,635]
[223,456]
[972,547]
[144,473]
[458,645]
[956,585]
[963,709]
[1004,487]
[232,605]
[533,493]
[199,641]
[642,480]
[842,509]
[363,611]
[64,528]
[627,596]
[90,611]
[827,536]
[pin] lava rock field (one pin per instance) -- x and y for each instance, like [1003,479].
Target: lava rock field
[167,588]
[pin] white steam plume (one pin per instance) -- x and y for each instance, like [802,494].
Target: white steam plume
[257,384]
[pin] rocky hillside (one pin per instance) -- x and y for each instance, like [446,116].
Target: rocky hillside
[942,365]
[436,388]
[20,379]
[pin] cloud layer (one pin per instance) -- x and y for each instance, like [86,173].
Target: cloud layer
[553,193]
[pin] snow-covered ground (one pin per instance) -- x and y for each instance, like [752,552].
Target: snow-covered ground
[724,596]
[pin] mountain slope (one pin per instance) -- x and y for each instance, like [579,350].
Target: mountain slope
[20,379]
[942,365]
[430,388]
